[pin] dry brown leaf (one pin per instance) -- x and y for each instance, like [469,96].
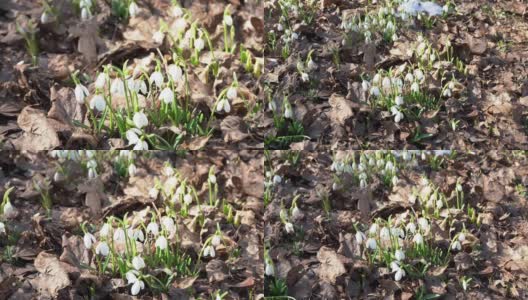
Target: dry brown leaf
[331,266]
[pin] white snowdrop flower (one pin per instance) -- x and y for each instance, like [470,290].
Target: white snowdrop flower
[199,44]
[85,14]
[400,273]
[138,235]
[395,37]
[100,81]
[394,180]
[58,177]
[137,287]
[46,18]
[409,77]
[447,93]
[187,199]
[167,95]
[421,48]
[371,244]
[231,93]
[153,193]
[376,79]
[132,169]
[424,225]
[305,77]
[140,86]
[399,100]
[92,173]
[399,255]
[294,35]
[389,166]
[456,246]
[415,87]
[132,135]
[216,240]
[212,178]
[228,20]
[209,251]
[289,227]
[2,228]
[102,249]
[223,105]
[168,171]
[373,228]
[386,84]
[269,270]
[385,234]
[418,238]
[296,213]
[157,78]
[140,120]
[153,228]
[138,263]
[117,87]
[362,183]
[81,92]
[140,146]
[280,27]
[390,26]
[131,276]
[133,9]
[365,85]
[158,37]
[161,242]
[9,210]
[272,105]
[418,74]
[288,112]
[462,237]
[105,230]
[432,57]
[88,240]
[175,72]
[411,227]
[277,179]
[119,235]
[311,65]
[375,91]
[360,237]
[180,25]
[177,11]
[439,203]
[168,224]
[98,102]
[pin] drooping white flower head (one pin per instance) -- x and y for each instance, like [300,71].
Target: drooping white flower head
[209,251]
[187,199]
[140,120]
[216,240]
[360,237]
[105,230]
[2,228]
[98,102]
[223,105]
[212,178]
[88,240]
[161,243]
[158,37]
[175,72]
[231,93]
[102,249]
[117,87]
[157,78]
[199,44]
[101,80]
[228,20]
[133,9]
[132,169]
[270,271]
[418,238]
[456,245]
[119,235]
[81,92]
[167,95]
[399,255]
[177,11]
[138,263]
[289,227]
[153,228]
[371,244]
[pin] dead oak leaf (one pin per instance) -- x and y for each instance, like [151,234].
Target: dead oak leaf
[234,129]
[52,276]
[40,133]
[331,265]
[341,109]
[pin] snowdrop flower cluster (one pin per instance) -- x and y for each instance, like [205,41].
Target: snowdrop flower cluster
[380,164]
[382,21]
